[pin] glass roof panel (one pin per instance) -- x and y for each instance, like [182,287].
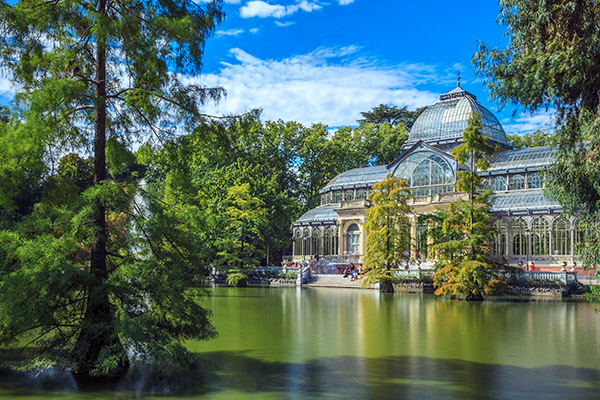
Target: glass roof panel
[522,200]
[321,215]
[366,177]
[521,158]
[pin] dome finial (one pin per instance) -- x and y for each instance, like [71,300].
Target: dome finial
[458,76]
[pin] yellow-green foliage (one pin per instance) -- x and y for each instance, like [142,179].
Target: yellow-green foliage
[464,263]
[388,229]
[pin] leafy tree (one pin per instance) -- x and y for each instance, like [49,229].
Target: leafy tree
[319,161]
[88,70]
[372,144]
[535,139]
[553,61]
[392,115]
[464,266]
[435,231]
[234,152]
[388,232]
[244,216]
[464,263]
[473,150]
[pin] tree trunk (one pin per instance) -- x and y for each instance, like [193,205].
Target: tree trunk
[474,297]
[98,337]
[386,286]
[242,246]
[471,193]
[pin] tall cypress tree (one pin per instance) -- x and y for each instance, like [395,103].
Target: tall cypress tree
[552,61]
[88,70]
[464,265]
[388,231]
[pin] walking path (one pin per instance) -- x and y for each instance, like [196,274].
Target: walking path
[338,281]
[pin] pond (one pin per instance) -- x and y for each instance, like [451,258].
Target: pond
[322,343]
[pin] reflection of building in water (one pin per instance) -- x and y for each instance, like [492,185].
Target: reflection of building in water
[526,220]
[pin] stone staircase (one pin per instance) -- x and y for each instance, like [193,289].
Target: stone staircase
[335,281]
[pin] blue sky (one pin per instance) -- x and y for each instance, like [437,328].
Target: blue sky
[326,61]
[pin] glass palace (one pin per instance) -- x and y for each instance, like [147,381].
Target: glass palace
[528,223]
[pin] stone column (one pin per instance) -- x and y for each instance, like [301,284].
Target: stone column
[413,234]
[363,239]
[550,238]
[341,244]
[572,230]
[509,237]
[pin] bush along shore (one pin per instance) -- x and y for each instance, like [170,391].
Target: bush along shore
[272,278]
[515,287]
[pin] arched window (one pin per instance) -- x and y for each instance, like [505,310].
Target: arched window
[427,172]
[540,237]
[535,181]
[297,242]
[517,182]
[306,250]
[349,195]
[317,242]
[328,243]
[361,194]
[485,183]
[561,237]
[500,245]
[519,238]
[337,197]
[499,184]
[353,239]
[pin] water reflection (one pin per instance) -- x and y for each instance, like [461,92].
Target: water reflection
[314,344]
[227,374]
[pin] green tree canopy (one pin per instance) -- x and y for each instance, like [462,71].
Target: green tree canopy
[388,231]
[385,113]
[85,280]
[464,265]
[553,61]
[534,139]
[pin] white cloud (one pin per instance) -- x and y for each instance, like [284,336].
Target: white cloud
[282,24]
[262,9]
[305,6]
[330,86]
[527,123]
[229,32]
[253,30]
[345,2]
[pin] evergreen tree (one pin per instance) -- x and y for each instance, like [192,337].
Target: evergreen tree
[464,263]
[89,70]
[244,216]
[553,61]
[388,232]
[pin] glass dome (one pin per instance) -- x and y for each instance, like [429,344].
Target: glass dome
[444,122]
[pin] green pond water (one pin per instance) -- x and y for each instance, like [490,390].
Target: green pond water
[294,343]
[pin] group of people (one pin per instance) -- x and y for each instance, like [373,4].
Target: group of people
[531,267]
[353,272]
[572,269]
